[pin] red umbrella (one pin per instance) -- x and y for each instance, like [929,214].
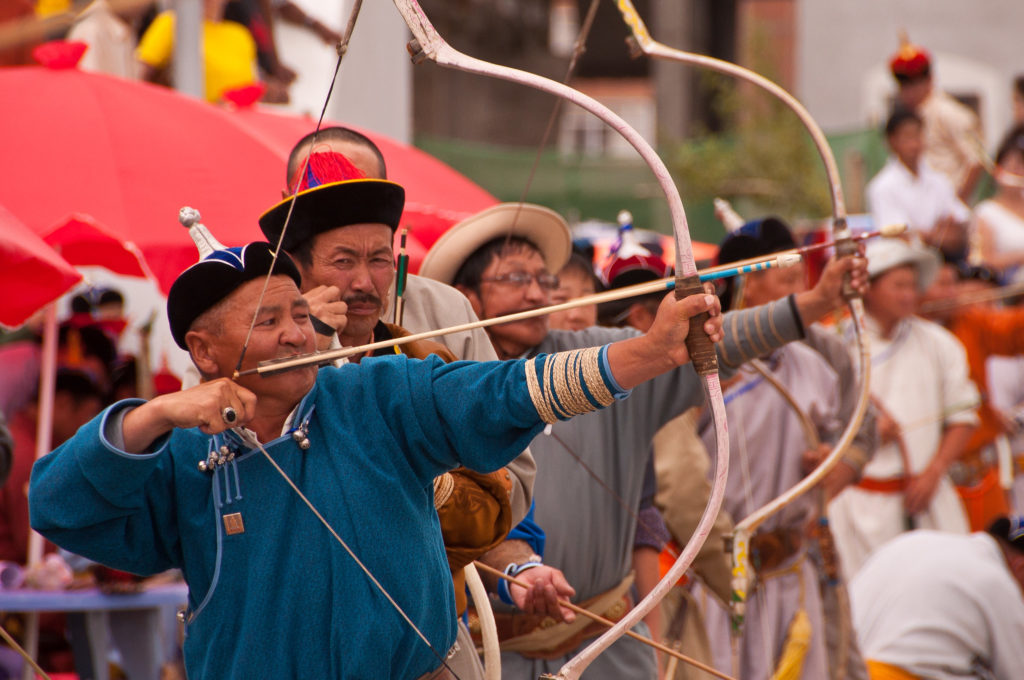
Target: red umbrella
[130,155]
[32,274]
[436,195]
[84,242]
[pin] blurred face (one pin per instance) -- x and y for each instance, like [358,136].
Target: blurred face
[573,284]
[760,288]
[907,143]
[893,295]
[498,296]
[72,413]
[282,329]
[946,286]
[914,92]
[359,260]
[1013,165]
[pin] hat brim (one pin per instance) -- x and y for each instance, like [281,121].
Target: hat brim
[541,226]
[329,206]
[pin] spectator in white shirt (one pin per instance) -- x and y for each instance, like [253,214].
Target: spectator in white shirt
[908,191]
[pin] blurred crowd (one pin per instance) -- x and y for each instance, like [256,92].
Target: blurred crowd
[135,40]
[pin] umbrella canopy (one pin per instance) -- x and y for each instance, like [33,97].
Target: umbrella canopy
[436,195]
[32,274]
[130,155]
[83,242]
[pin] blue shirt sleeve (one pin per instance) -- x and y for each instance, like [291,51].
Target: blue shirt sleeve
[528,530]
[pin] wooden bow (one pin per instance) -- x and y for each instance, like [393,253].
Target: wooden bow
[643,43]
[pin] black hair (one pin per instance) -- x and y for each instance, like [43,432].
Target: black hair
[581,265]
[338,134]
[471,272]
[899,117]
[110,296]
[1018,85]
[80,305]
[95,343]
[1013,141]
[78,384]
[905,79]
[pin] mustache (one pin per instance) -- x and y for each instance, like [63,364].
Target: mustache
[362,298]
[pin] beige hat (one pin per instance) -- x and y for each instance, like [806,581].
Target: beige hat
[888,253]
[541,226]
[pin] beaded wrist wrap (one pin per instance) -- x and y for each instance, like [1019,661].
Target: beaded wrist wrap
[567,384]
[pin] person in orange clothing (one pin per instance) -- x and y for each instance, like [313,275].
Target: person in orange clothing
[985,330]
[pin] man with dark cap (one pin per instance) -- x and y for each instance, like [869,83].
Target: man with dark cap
[787,409]
[194,479]
[942,606]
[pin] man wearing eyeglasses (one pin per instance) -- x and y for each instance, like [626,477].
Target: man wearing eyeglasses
[504,260]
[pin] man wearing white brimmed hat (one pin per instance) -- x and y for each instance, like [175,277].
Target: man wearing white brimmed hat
[505,259]
[926,401]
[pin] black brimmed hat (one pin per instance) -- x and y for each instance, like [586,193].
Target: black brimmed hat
[332,193]
[216,276]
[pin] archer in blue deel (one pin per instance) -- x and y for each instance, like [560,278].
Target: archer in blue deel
[300,506]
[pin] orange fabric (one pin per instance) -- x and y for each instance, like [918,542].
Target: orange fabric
[893,485]
[666,558]
[883,671]
[985,332]
[985,501]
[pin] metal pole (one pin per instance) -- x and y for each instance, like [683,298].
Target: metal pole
[188,57]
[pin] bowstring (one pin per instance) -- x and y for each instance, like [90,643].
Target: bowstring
[355,558]
[341,49]
[578,48]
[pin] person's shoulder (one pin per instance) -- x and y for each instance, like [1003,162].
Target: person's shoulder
[438,299]
[428,286]
[948,105]
[933,332]
[886,177]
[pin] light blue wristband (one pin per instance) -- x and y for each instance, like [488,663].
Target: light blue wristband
[513,570]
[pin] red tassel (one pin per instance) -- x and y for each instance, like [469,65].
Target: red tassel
[325,167]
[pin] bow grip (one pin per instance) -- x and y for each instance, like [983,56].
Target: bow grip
[845,247]
[698,344]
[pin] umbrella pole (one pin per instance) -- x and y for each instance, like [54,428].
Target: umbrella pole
[44,437]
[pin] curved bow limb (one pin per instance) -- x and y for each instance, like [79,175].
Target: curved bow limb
[645,44]
[428,44]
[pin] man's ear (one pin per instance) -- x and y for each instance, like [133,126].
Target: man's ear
[202,351]
[474,299]
[1016,561]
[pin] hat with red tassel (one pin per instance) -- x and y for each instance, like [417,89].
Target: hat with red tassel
[331,192]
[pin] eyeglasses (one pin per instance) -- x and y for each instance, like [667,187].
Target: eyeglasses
[522,279]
